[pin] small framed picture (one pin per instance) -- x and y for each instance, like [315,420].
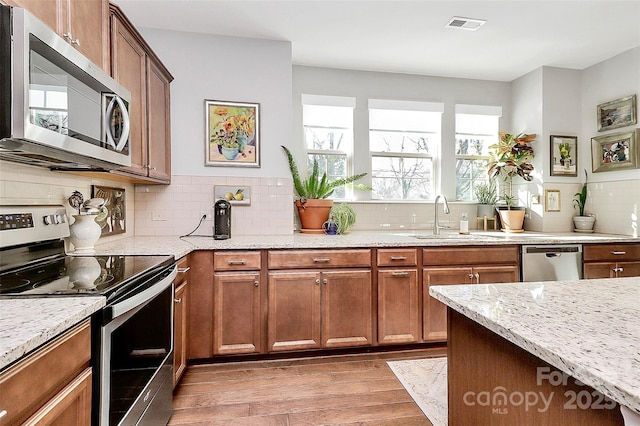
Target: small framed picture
[618,151]
[232,134]
[564,155]
[551,200]
[239,195]
[618,113]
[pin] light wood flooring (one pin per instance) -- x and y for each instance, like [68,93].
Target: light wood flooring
[334,390]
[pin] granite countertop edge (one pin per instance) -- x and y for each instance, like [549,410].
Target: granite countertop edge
[488,305]
[28,323]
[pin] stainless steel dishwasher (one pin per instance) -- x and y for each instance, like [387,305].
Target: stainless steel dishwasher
[551,262]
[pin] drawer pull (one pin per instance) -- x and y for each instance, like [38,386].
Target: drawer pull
[237,262]
[178,300]
[321,259]
[400,274]
[619,253]
[3,413]
[620,269]
[184,270]
[256,283]
[398,257]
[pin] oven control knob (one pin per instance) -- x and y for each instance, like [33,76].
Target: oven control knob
[57,219]
[48,219]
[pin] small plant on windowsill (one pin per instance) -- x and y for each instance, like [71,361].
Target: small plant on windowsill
[487,196]
[313,192]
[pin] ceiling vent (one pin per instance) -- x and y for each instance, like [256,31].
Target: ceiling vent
[468,24]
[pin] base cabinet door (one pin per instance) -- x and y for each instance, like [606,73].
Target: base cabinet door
[434,311]
[236,318]
[346,309]
[398,307]
[611,270]
[495,274]
[294,311]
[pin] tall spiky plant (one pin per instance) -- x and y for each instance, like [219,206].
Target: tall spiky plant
[316,186]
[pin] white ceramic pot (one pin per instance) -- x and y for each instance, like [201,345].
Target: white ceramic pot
[85,232]
[583,223]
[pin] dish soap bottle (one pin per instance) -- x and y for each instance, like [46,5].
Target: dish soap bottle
[464,224]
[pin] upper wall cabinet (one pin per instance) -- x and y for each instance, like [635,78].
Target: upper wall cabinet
[83,23]
[136,67]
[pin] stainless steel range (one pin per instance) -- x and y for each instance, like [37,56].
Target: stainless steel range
[132,337]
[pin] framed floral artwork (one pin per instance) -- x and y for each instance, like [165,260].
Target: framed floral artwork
[618,113]
[564,155]
[232,134]
[617,151]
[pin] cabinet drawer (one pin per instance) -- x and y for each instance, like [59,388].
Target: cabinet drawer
[38,377]
[236,260]
[470,255]
[279,259]
[611,252]
[183,270]
[397,257]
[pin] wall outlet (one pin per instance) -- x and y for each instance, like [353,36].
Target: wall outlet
[206,214]
[158,216]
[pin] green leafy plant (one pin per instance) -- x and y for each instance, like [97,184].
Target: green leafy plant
[344,216]
[486,193]
[581,197]
[511,157]
[315,186]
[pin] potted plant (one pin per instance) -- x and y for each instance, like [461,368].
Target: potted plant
[313,191]
[582,223]
[511,157]
[487,197]
[343,216]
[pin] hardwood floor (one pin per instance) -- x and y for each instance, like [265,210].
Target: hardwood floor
[336,390]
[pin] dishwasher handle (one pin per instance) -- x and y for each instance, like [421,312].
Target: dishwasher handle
[552,251]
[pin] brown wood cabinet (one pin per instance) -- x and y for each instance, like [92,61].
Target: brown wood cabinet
[53,384]
[462,265]
[237,310]
[398,290]
[319,308]
[200,303]
[82,23]
[611,260]
[181,319]
[136,67]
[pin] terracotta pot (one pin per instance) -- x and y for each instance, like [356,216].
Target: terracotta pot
[512,220]
[313,213]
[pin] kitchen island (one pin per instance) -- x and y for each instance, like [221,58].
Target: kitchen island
[543,352]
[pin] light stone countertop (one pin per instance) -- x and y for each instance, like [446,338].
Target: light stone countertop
[27,323]
[589,329]
[357,239]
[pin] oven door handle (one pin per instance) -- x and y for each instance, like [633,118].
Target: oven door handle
[144,296]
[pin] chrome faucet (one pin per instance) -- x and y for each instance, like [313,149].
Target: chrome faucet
[436,223]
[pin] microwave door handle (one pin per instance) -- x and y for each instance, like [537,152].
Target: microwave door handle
[107,119]
[124,137]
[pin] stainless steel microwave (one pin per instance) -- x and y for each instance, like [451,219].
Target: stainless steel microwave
[57,108]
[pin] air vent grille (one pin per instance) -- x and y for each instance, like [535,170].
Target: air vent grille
[468,24]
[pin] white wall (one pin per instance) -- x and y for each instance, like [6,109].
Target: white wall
[229,69]
[614,197]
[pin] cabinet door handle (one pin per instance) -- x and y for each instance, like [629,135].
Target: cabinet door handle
[237,262]
[184,270]
[400,274]
[317,280]
[256,283]
[3,413]
[398,257]
[477,275]
[618,269]
[67,36]
[324,281]
[322,259]
[178,300]
[76,42]
[618,253]
[470,276]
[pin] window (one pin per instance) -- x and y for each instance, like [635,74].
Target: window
[404,140]
[476,130]
[328,135]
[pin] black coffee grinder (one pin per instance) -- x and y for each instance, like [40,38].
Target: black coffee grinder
[222,220]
